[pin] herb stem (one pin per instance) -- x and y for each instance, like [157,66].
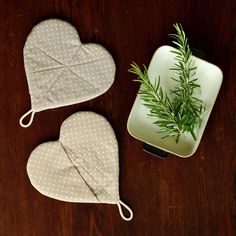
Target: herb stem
[183,111]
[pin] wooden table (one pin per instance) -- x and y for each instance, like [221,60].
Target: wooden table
[194,196]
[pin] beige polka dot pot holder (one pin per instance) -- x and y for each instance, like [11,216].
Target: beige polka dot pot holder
[82,166]
[60,70]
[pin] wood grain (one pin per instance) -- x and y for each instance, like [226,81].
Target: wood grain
[194,196]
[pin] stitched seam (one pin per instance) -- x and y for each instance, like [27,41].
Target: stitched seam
[64,148]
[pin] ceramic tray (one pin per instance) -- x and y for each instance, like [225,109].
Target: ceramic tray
[142,128]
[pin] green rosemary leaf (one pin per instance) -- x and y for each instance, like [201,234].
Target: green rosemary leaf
[182,111]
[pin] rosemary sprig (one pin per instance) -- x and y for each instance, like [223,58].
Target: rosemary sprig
[182,112]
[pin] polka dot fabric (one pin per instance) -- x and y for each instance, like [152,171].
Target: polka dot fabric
[82,166]
[60,70]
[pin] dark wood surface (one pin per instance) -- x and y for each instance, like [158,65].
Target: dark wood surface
[194,196]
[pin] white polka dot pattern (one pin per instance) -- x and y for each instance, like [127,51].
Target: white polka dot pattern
[60,70]
[82,166]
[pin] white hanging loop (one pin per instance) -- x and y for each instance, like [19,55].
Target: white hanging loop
[31,118]
[120,204]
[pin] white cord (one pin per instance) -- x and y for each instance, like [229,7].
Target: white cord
[121,212]
[23,117]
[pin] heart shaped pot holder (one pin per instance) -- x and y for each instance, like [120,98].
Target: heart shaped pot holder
[82,166]
[60,70]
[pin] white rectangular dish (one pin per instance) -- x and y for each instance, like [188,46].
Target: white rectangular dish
[141,127]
